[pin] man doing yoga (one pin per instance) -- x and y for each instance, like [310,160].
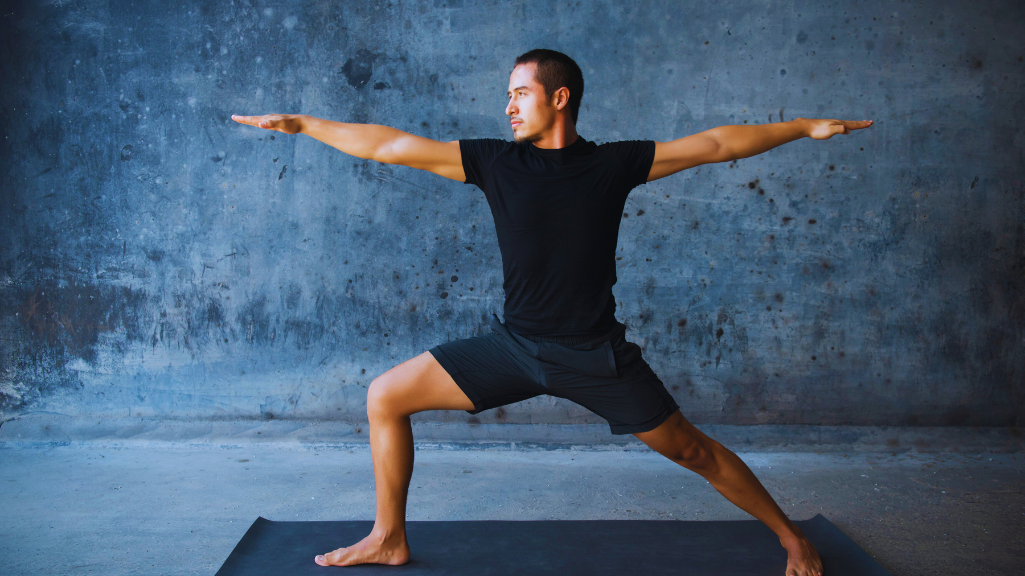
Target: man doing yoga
[557,201]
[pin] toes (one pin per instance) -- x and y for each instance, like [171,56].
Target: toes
[331,558]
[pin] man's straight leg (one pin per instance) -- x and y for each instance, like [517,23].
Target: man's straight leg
[678,440]
[415,385]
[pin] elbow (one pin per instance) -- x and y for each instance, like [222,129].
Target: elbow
[394,150]
[723,153]
[720,151]
[383,153]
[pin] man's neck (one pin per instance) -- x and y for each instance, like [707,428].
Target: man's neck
[561,136]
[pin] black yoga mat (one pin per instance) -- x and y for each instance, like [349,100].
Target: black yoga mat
[563,547]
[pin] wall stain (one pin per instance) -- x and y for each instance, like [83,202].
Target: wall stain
[360,68]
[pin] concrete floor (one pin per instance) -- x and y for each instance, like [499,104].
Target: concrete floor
[161,508]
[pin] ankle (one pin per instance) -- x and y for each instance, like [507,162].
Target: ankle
[792,537]
[383,535]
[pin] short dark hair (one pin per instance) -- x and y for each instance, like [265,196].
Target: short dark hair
[556,70]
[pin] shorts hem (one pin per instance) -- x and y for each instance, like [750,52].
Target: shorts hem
[456,374]
[648,426]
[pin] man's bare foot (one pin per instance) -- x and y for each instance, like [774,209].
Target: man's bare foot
[373,549]
[802,558]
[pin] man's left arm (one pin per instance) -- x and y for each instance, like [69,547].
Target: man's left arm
[728,143]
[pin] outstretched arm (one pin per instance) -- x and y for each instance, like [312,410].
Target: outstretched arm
[369,141]
[733,142]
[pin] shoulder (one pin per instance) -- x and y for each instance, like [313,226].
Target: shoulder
[484,145]
[627,146]
[629,152]
[633,157]
[478,155]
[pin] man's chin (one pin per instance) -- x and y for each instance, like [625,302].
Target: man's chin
[526,139]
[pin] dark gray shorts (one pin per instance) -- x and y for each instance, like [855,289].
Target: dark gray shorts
[605,375]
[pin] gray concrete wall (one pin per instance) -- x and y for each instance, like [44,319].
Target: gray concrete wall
[159,260]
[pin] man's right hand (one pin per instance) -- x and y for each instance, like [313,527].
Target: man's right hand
[287,123]
[369,141]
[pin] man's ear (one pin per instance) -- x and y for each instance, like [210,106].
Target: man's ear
[561,96]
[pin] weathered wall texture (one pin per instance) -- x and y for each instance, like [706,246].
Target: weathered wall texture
[160,260]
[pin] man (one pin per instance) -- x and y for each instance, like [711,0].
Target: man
[557,200]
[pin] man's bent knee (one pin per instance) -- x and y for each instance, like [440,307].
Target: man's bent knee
[679,441]
[415,385]
[696,455]
[378,396]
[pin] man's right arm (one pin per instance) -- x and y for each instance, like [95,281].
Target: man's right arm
[370,141]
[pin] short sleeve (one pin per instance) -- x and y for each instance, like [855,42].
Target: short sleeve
[635,158]
[477,156]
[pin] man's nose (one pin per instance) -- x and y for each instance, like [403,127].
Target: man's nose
[510,108]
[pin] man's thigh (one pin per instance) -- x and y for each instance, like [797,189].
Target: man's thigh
[415,385]
[634,401]
[490,371]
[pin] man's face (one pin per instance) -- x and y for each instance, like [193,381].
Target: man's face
[528,110]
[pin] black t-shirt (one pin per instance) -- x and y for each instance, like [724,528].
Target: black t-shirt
[557,215]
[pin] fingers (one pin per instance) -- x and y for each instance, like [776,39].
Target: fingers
[825,129]
[250,120]
[845,126]
[284,123]
[264,121]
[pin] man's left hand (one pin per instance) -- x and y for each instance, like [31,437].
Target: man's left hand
[825,129]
